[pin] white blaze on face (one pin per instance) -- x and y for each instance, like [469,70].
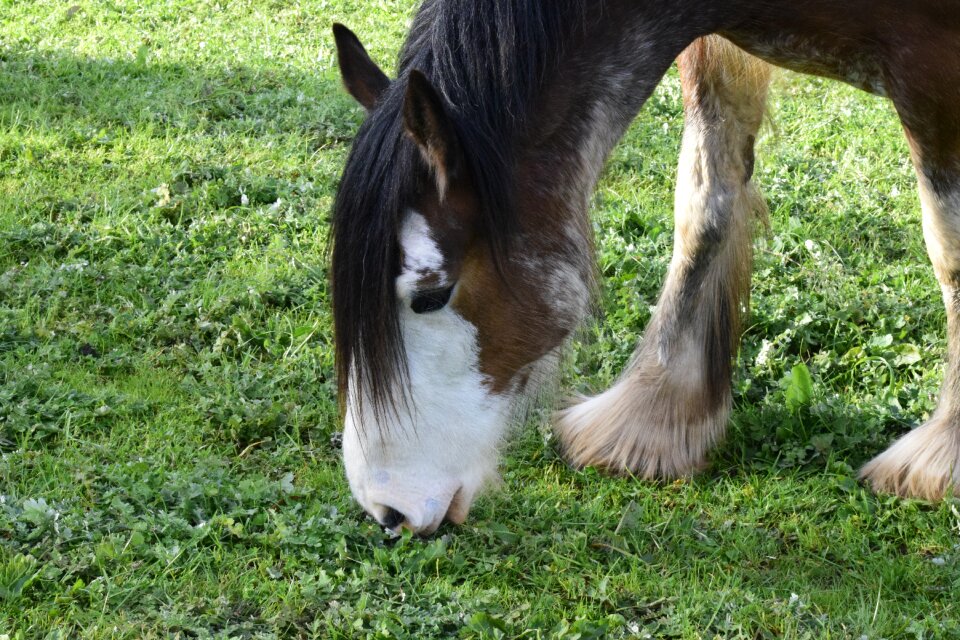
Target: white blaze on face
[441,447]
[421,255]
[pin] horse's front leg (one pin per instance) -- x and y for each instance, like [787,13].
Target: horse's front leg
[925,463]
[672,402]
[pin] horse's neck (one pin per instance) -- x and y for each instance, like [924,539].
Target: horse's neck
[589,101]
[610,71]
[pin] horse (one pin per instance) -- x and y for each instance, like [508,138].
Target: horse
[463,254]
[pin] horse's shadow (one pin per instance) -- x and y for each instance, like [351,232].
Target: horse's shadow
[61,110]
[106,161]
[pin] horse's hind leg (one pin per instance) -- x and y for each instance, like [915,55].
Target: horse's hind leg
[671,404]
[925,463]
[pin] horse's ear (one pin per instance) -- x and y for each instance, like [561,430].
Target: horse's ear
[426,120]
[361,75]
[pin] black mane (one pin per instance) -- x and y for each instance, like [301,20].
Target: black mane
[488,58]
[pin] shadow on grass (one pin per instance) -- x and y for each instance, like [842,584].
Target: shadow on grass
[74,98]
[130,190]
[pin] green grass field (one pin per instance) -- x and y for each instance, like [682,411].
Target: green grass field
[169,465]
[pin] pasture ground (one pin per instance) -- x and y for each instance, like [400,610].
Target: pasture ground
[168,455]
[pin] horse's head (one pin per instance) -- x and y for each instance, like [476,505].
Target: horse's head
[446,304]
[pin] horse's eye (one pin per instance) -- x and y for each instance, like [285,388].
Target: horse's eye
[427,301]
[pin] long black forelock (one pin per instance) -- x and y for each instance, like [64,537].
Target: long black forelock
[487,58]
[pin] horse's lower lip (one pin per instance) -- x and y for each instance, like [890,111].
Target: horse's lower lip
[459,507]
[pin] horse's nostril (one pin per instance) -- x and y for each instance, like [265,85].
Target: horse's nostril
[392,518]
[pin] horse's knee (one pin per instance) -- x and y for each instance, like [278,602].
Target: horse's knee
[724,92]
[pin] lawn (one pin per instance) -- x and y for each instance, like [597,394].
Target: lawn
[169,461]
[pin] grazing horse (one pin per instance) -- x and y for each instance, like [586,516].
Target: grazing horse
[463,254]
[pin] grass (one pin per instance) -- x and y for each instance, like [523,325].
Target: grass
[169,464]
